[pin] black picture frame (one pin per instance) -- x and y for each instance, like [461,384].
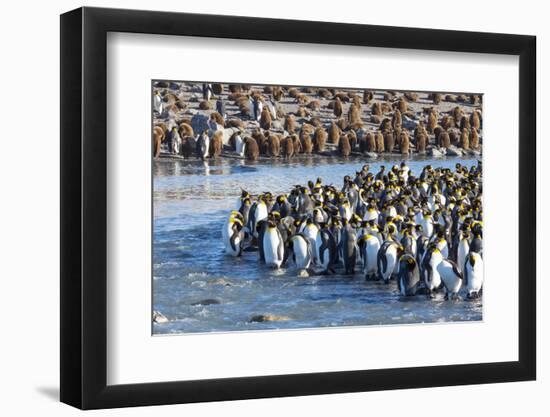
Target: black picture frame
[84,207]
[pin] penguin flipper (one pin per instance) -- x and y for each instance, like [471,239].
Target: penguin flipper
[382,261]
[455,268]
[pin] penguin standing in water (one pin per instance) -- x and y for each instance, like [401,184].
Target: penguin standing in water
[430,273]
[157,103]
[473,274]
[311,232]
[328,250]
[451,278]
[408,276]
[301,253]
[258,212]
[233,235]
[462,250]
[174,141]
[244,209]
[387,259]
[203,145]
[370,248]
[239,144]
[273,246]
[349,249]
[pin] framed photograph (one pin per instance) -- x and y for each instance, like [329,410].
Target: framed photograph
[258,208]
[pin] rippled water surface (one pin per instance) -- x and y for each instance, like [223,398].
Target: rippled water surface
[191,201]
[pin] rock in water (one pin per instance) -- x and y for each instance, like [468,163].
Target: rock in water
[454,151]
[260,318]
[207,302]
[158,317]
[437,153]
[371,155]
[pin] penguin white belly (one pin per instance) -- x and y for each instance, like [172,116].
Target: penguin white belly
[391,261]
[271,249]
[232,243]
[372,246]
[302,257]
[427,227]
[443,248]
[312,232]
[235,249]
[259,215]
[325,257]
[346,213]
[158,104]
[318,244]
[462,251]
[450,279]
[239,146]
[433,282]
[371,215]
[475,275]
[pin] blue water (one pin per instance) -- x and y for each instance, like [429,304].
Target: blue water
[191,202]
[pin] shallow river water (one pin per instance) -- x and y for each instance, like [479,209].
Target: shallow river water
[191,202]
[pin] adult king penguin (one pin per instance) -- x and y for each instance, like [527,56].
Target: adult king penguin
[301,253]
[273,246]
[408,276]
[473,274]
[370,248]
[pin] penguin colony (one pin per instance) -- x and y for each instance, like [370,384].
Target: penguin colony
[254,122]
[423,232]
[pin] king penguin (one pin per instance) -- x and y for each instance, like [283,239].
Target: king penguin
[203,145]
[387,259]
[301,253]
[349,249]
[473,274]
[370,248]
[273,246]
[157,103]
[328,250]
[451,277]
[408,276]
[430,273]
[233,235]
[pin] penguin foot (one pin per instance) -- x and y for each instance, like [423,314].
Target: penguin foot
[303,273]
